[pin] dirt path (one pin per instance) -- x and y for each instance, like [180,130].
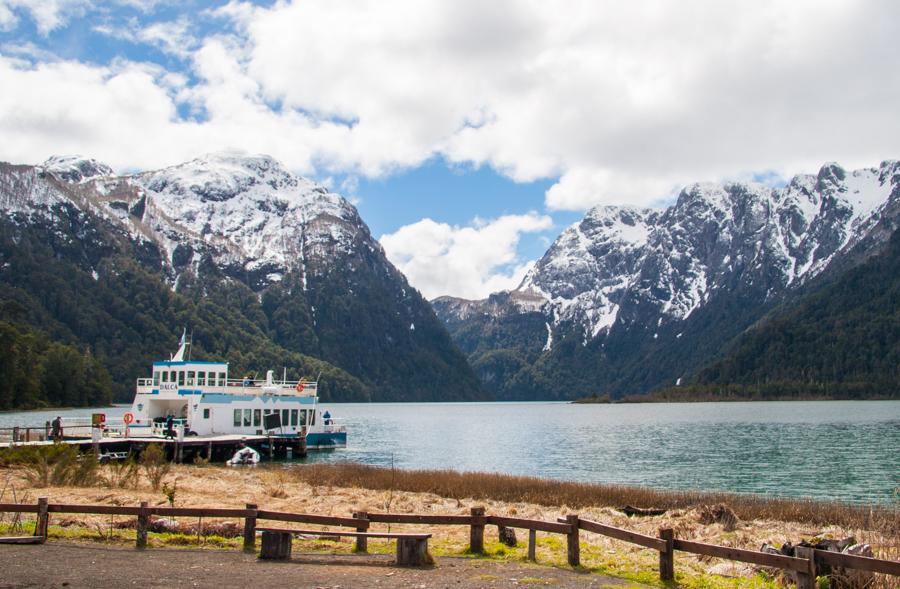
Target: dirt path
[77,566]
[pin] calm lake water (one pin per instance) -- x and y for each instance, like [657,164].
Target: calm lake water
[848,451]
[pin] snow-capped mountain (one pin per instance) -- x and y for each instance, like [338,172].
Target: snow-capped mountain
[624,281]
[247,213]
[223,224]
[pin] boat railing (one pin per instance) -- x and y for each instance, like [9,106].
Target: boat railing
[331,429]
[246,383]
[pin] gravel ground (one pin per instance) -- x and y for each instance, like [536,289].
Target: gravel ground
[76,566]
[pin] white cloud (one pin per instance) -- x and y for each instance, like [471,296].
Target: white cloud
[619,101]
[623,100]
[46,14]
[172,37]
[470,262]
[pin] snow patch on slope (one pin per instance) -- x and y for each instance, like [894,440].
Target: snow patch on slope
[714,236]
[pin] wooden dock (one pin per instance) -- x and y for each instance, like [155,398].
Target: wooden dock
[213,448]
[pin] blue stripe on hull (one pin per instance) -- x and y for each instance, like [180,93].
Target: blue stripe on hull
[324,440]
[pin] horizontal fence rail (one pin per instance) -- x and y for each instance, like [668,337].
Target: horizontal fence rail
[862,563]
[624,535]
[741,555]
[437,520]
[803,566]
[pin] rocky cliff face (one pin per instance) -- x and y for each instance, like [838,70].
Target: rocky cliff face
[634,298]
[223,224]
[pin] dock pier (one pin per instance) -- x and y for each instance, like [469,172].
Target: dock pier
[218,448]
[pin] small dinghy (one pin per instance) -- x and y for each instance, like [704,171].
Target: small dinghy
[243,457]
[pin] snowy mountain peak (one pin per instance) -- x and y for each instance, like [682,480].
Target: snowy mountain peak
[245,213]
[625,264]
[75,169]
[830,175]
[223,176]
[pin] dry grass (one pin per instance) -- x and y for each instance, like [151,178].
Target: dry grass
[342,489]
[512,489]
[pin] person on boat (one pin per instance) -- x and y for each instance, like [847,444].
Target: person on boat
[327,417]
[57,429]
[170,426]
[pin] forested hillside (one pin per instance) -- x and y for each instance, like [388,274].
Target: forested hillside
[841,341]
[629,300]
[37,372]
[267,271]
[128,317]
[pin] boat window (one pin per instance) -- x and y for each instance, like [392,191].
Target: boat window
[206,414]
[237,418]
[167,376]
[201,379]
[303,417]
[293,417]
[285,419]
[180,377]
[248,417]
[222,382]
[257,417]
[190,377]
[155,379]
[211,379]
[312,417]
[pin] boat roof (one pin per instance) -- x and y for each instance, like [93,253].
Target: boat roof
[189,363]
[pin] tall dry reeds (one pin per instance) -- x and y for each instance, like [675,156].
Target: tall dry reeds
[508,488]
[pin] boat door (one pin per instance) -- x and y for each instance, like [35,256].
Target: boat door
[205,421]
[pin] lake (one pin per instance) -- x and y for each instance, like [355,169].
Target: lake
[844,450]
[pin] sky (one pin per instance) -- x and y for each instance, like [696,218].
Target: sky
[468,133]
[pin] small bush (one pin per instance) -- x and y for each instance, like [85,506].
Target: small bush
[155,465]
[57,465]
[122,474]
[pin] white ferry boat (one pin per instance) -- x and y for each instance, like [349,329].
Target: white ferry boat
[201,398]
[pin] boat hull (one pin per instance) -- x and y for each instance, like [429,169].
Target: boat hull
[326,440]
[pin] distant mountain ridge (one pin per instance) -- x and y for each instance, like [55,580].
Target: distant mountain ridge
[268,268]
[629,299]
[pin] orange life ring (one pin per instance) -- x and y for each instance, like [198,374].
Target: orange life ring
[301,385]
[128,418]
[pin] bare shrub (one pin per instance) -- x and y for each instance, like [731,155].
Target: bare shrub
[57,465]
[122,474]
[155,465]
[275,485]
[718,514]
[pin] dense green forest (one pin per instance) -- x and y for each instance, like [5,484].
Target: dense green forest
[840,341]
[88,288]
[37,372]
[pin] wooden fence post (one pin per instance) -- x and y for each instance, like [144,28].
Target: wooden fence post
[667,558]
[143,521]
[806,580]
[532,545]
[41,527]
[362,543]
[476,533]
[574,548]
[250,529]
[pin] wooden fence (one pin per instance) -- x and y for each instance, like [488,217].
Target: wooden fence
[803,567]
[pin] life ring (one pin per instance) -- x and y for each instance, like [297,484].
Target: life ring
[301,385]
[128,418]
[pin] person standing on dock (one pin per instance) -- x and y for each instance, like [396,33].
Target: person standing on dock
[57,429]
